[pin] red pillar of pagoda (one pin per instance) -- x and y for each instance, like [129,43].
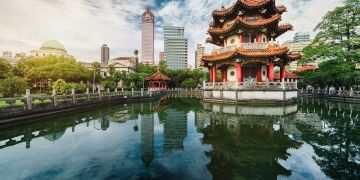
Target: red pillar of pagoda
[239,73]
[282,73]
[210,78]
[214,74]
[271,71]
[258,73]
[241,38]
[259,38]
[225,74]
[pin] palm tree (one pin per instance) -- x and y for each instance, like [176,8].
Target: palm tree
[96,70]
[136,53]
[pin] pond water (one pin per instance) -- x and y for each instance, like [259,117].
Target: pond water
[185,138]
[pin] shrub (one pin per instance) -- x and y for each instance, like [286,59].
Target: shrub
[12,86]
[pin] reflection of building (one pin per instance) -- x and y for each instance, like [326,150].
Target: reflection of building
[199,120]
[176,47]
[147,138]
[200,50]
[147,44]
[105,54]
[52,47]
[175,129]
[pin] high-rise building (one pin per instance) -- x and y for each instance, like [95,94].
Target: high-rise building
[200,50]
[7,54]
[105,54]
[301,36]
[147,40]
[161,56]
[300,41]
[176,47]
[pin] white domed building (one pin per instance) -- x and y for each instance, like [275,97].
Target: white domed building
[52,47]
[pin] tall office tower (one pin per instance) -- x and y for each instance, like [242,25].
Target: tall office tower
[300,36]
[7,54]
[147,138]
[176,47]
[147,40]
[105,54]
[200,50]
[161,56]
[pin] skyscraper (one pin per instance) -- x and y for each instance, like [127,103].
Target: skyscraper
[176,47]
[200,50]
[147,40]
[300,37]
[105,54]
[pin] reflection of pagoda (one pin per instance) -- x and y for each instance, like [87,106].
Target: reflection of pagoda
[246,147]
[246,32]
[175,129]
[147,138]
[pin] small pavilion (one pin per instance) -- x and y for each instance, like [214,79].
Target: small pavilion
[157,81]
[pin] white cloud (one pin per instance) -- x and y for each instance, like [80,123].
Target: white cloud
[83,25]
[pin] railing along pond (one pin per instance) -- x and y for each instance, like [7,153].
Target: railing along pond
[36,103]
[331,93]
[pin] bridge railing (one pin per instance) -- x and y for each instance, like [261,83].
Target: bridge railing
[34,103]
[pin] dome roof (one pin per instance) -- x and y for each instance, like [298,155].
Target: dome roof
[53,45]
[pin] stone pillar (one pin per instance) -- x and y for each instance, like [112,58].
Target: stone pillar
[54,96]
[258,73]
[73,96]
[282,73]
[142,92]
[239,73]
[351,92]
[99,92]
[108,91]
[339,93]
[132,91]
[271,71]
[87,95]
[28,99]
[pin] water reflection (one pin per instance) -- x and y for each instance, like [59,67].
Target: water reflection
[184,138]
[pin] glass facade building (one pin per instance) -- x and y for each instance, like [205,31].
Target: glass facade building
[176,47]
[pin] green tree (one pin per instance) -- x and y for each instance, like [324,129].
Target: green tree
[111,70]
[189,83]
[109,84]
[59,86]
[5,68]
[338,36]
[12,86]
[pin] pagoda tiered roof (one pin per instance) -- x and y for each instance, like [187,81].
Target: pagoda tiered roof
[232,25]
[158,76]
[248,4]
[270,52]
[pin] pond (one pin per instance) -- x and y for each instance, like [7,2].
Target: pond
[185,138]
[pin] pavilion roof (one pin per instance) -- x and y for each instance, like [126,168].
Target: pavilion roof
[271,52]
[288,75]
[248,4]
[158,76]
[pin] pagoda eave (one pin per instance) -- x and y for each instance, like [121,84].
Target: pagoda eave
[241,53]
[258,24]
[251,5]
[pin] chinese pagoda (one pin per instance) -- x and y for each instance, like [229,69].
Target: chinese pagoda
[246,32]
[157,81]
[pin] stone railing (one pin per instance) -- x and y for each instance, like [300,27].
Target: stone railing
[330,93]
[10,107]
[250,86]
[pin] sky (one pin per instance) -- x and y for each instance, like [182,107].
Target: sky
[82,26]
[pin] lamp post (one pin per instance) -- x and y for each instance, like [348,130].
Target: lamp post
[93,89]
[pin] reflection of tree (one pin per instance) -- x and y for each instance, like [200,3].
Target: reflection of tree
[337,147]
[245,151]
